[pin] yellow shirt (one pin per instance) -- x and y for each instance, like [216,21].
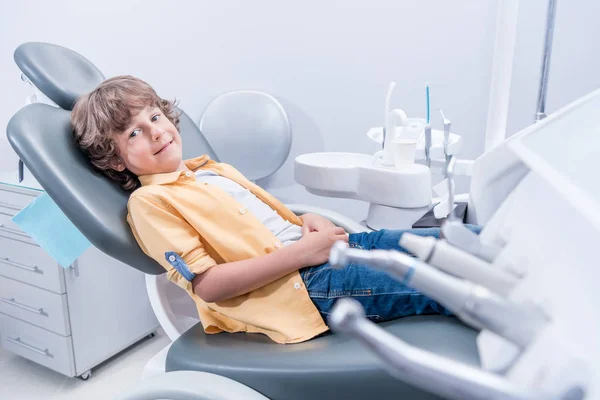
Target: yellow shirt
[189,227]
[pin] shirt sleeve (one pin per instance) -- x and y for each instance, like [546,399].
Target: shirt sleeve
[169,239]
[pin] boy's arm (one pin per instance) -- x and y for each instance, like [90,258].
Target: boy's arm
[160,232]
[236,278]
[239,277]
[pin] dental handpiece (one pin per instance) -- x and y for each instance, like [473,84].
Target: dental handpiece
[459,236]
[457,262]
[428,145]
[450,179]
[447,124]
[426,370]
[474,304]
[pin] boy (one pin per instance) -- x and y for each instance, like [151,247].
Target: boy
[249,263]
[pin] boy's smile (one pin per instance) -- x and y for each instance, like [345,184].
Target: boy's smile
[150,145]
[164,147]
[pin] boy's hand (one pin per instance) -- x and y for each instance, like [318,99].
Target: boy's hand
[315,223]
[316,246]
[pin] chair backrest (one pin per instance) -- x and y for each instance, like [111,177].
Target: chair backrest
[59,73]
[250,130]
[41,135]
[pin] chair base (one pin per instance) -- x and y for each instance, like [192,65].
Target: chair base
[157,364]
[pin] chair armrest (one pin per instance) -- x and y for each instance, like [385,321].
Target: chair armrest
[338,219]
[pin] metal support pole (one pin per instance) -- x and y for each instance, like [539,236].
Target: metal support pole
[543,90]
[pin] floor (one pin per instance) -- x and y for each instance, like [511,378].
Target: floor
[23,379]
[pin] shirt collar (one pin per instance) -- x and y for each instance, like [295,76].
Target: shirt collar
[170,177]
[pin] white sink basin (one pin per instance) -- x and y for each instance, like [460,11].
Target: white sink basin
[354,176]
[330,174]
[335,159]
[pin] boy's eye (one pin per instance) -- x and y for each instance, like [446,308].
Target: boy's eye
[155,117]
[133,134]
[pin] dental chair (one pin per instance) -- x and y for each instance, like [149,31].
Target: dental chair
[224,366]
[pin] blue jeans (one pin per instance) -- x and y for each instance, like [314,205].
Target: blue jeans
[382,297]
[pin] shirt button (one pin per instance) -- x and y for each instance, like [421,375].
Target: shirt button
[242,211]
[297,285]
[188,173]
[172,258]
[277,244]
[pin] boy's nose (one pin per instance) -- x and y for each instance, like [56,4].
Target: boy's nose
[156,133]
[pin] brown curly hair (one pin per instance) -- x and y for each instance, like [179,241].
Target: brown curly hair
[108,110]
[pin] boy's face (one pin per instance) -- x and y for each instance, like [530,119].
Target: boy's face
[150,145]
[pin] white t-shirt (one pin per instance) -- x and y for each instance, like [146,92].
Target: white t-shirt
[286,232]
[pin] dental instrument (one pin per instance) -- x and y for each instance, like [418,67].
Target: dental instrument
[446,207]
[455,261]
[428,144]
[457,234]
[439,375]
[450,182]
[427,100]
[389,130]
[428,129]
[472,303]
[447,124]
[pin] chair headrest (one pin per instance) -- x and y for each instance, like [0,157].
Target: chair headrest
[245,125]
[42,137]
[59,73]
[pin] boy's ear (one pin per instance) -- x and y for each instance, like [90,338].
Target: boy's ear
[117,165]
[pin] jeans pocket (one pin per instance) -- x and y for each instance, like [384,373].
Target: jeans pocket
[316,280]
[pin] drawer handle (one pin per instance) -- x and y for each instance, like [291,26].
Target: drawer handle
[6,205]
[15,303]
[10,230]
[35,268]
[18,342]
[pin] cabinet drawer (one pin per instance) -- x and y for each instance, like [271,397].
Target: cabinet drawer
[11,198]
[30,264]
[38,345]
[37,306]
[9,228]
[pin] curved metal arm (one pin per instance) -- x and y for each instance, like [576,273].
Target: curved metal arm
[191,385]
[423,369]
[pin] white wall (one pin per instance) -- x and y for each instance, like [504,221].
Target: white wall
[329,62]
[575,62]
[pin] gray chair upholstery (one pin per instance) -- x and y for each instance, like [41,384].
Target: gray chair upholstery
[41,136]
[61,82]
[331,366]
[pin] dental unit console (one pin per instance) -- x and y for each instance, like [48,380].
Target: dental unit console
[397,180]
[527,282]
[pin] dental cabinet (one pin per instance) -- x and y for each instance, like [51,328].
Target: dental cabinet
[69,320]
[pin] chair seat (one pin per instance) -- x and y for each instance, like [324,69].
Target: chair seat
[332,366]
